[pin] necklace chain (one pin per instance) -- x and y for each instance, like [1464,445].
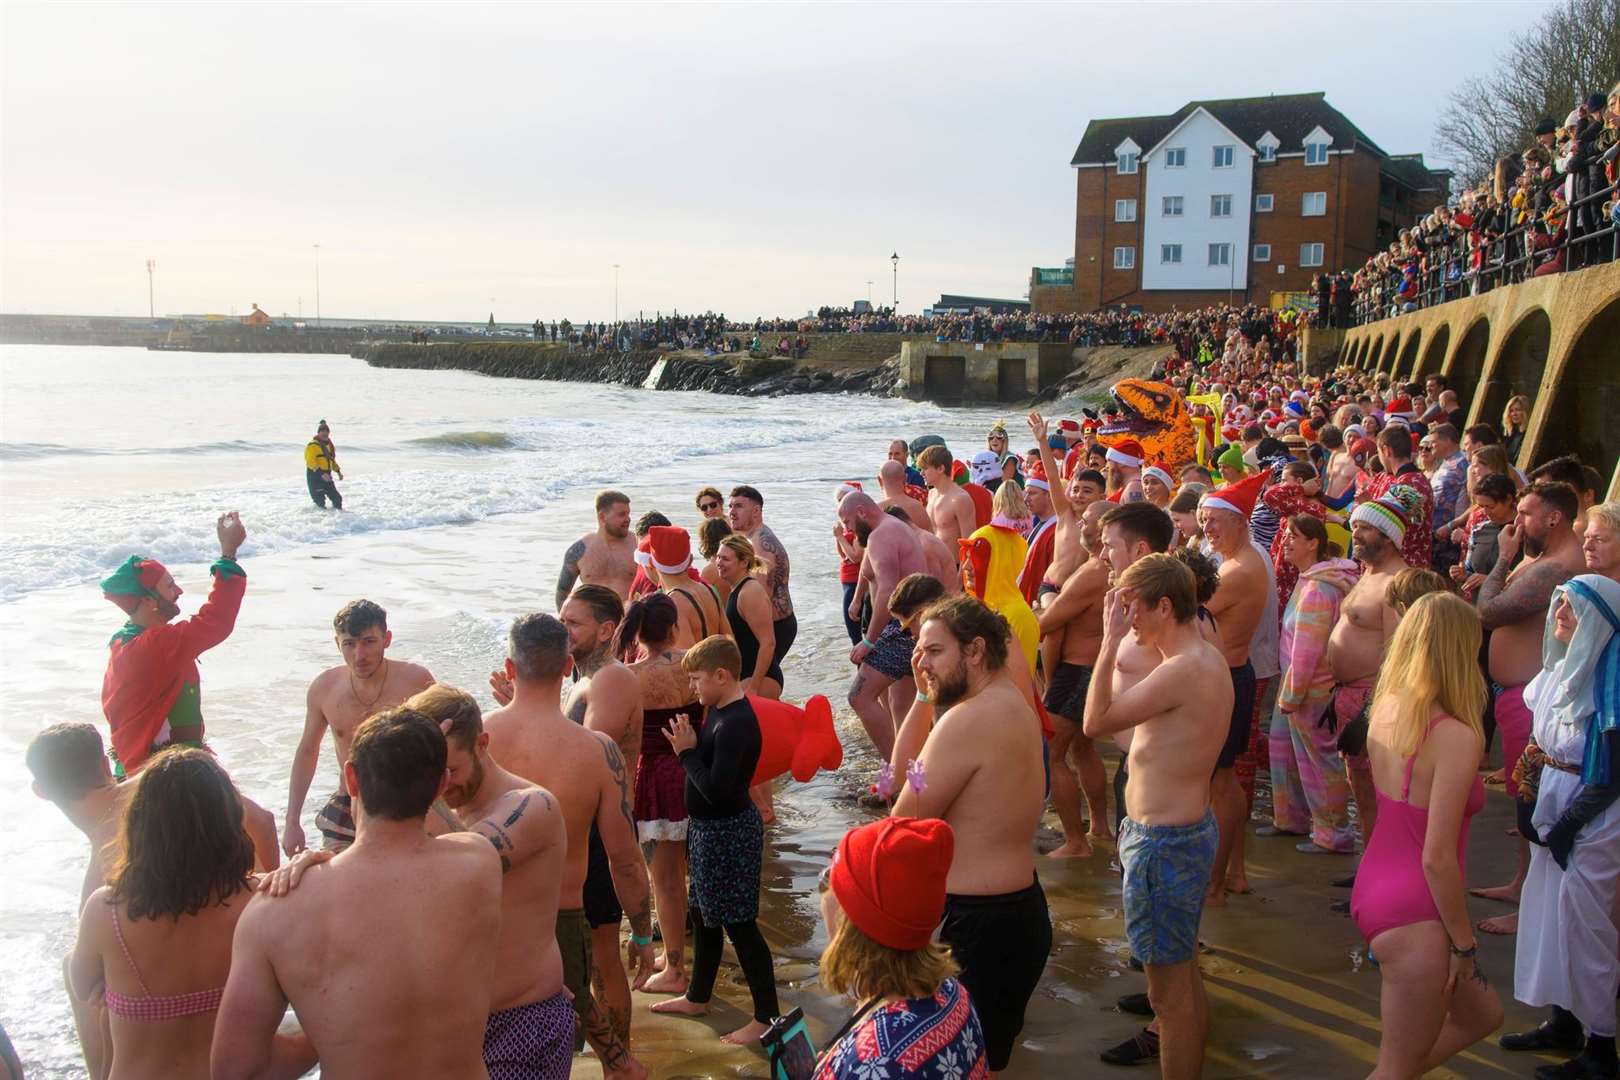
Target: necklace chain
[353,689]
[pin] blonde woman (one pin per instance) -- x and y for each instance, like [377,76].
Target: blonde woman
[1515,417]
[1424,740]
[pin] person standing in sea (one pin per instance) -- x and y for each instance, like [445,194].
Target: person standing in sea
[320,462]
[604,557]
[746,513]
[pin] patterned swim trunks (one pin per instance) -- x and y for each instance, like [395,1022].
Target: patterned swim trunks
[531,1042]
[724,859]
[336,822]
[891,653]
[1167,870]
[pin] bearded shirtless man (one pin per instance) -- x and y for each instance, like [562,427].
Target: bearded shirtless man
[1169,838]
[585,772]
[1074,617]
[604,557]
[882,689]
[339,700]
[892,479]
[1513,609]
[1237,606]
[388,952]
[981,771]
[949,507]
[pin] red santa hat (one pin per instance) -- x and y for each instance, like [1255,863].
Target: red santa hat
[644,551]
[1231,433]
[671,548]
[1239,497]
[1037,478]
[848,487]
[1069,425]
[1159,473]
[1127,452]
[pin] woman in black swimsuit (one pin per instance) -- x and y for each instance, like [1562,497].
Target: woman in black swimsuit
[748,609]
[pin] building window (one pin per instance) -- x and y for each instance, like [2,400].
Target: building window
[1176,159]
[1125,258]
[1124,209]
[1126,163]
[1220,206]
[1316,153]
[1170,253]
[1310,254]
[1268,152]
[1314,204]
[1262,203]
[1221,254]
[1262,253]
[1172,206]
[1223,157]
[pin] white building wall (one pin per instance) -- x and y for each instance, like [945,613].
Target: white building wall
[1195,230]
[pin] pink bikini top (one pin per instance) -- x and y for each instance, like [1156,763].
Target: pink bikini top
[151,1007]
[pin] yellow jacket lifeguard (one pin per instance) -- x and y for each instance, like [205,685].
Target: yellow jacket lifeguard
[320,462]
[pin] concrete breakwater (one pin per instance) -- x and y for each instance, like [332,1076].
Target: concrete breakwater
[654,371]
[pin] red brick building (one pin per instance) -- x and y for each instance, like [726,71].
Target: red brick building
[1241,198]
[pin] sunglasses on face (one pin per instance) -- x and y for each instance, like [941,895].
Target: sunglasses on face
[708,506]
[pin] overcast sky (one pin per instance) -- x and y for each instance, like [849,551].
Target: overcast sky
[756,159]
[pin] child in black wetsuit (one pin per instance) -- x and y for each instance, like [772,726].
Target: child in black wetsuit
[725,835]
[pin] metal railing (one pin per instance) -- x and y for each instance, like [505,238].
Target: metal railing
[1454,268]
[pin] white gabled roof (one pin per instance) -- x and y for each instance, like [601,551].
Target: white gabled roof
[1200,111]
[1317,135]
[1127,147]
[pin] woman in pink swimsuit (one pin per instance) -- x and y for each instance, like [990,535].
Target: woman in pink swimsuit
[155,941]
[1424,739]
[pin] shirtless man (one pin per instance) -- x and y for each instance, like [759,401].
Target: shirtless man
[949,507]
[1341,467]
[1074,617]
[941,560]
[585,772]
[746,513]
[702,613]
[339,699]
[1513,609]
[882,689]
[1366,623]
[69,764]
[1168,839]
[604,557]
[981,771]
[892,479]
[375,1003]
[1068,501]
[1237,606]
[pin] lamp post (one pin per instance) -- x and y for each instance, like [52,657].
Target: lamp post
[151,266]
[317,286]
[615,294]
[868,294]
[895,259]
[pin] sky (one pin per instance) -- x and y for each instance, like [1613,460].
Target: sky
[457,160]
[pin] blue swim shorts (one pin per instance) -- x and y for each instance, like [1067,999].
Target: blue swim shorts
[1167,870]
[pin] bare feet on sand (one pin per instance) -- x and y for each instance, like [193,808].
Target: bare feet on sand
[747,1035]
[1508,894]
[1239,885]
[1499,924]
[1079,848]
[667,981]
[679,1006]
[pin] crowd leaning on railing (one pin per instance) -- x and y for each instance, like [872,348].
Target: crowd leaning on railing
[1546,210]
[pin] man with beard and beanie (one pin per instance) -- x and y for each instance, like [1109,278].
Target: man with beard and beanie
[320,462]
[981,770]
[882,689]
[1513,608]
[604,557]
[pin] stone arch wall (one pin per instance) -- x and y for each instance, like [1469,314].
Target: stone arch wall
[1434,354]
[1580,417]
[1466,362]
[1406,361]
[1516,367]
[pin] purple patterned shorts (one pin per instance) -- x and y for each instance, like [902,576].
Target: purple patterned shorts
[531,1042]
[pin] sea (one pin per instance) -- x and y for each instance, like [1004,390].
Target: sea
[461,493]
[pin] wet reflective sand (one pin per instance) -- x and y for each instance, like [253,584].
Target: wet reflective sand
[1291,992]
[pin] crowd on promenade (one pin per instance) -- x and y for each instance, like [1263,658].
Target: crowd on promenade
[1553,207]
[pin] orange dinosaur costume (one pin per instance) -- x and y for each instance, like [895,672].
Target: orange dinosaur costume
[1155,415]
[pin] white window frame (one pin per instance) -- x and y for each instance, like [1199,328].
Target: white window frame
[1307,250]
[1267,152]
[1262,253]
[1175,157]
[1125,258]
[1317,148]
[1228,152]
[1167,250]
[1222,249]
[1319,198]
[1218,209]
[1124,209]
[1180,206]
[1266,206]
[1125,164]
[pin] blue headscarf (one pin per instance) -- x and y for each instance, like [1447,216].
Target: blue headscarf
[1586,671]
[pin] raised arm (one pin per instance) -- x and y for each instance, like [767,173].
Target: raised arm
[570,570]
[305,759]
[1059,493]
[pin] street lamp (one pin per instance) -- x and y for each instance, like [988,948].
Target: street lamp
[151,265]
[317,286]
[895,259]
[868,294]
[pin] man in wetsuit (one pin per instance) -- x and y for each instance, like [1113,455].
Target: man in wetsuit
[746,513]
[604,557]
[981,771]
[320,462]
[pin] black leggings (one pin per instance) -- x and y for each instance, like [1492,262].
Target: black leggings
[708,942]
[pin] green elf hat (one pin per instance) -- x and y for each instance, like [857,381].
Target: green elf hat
[135,580]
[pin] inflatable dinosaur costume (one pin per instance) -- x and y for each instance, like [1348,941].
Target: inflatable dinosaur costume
[1155,415]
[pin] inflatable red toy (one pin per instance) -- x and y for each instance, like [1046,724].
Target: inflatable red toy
[795,740]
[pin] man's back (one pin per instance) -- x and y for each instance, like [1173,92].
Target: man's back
[914,511]
[895,553]
[388,958]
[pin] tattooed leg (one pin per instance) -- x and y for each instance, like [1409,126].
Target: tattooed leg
[609,985]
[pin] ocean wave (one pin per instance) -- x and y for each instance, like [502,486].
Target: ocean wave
[467,440]
[35,451]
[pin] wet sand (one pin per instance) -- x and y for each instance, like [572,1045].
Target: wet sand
[1291,992]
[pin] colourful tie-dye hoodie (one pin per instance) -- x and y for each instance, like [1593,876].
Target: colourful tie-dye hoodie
[1307,680]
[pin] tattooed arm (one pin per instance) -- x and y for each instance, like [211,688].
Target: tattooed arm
[570,570]
[776,573]
[1503,602]
[617,826]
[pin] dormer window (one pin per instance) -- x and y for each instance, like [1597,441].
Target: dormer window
[1266,147]
[1316,153]
[1126,161]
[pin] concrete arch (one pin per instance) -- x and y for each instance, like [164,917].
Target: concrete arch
[1467,361]
[1406,361]
[1580,418]
[1386,356]
[1356,353]
[1434,354]
[1517,367]
[1376,361]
